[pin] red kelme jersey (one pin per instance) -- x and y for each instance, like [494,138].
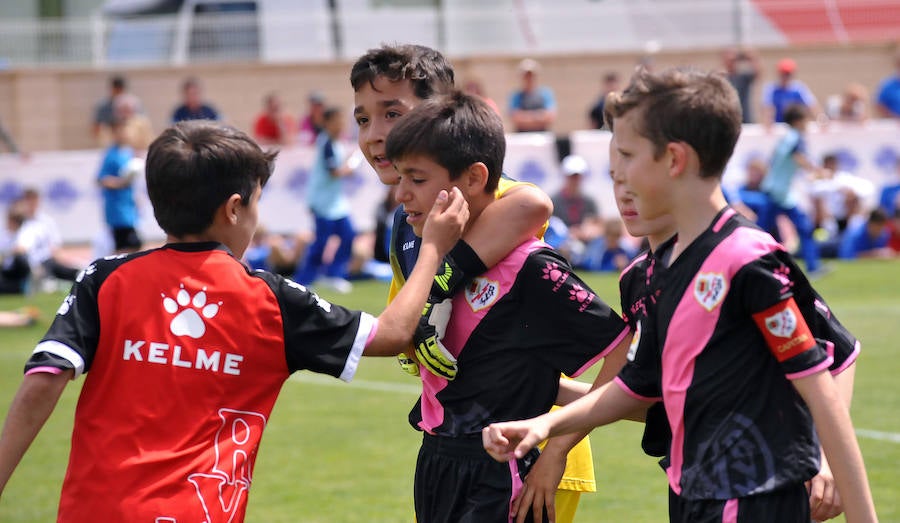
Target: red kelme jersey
[185,352]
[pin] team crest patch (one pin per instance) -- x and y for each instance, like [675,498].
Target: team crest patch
[710,289]
[482,293]
[782,324]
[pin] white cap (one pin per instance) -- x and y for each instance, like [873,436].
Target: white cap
[574,164]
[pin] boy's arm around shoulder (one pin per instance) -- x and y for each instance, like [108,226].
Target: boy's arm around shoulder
[34,402]
[521,212]
[397,323]
[835,429]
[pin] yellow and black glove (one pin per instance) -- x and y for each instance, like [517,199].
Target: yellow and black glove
[460,265]
[430,350]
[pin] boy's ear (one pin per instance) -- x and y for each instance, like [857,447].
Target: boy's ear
[679,158]
[231,209]
[476,177]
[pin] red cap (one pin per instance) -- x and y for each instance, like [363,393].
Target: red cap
[786,65]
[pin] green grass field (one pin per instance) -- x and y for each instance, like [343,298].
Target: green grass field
[337,452]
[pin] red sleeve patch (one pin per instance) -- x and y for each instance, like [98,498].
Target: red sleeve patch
[785,330]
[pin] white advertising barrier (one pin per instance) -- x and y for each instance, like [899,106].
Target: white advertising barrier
[871,151]
[67,179]
[67,182]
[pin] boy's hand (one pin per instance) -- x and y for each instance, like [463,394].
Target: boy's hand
[446,221]
[430,351]
[513,439]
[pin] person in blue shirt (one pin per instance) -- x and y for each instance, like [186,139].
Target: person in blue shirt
[116,182]
[330,208]
[777,96]
[789,157]
[888,99]
[193,108]
[868,239]
[532,108]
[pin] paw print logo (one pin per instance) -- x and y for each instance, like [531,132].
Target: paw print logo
[187,321]
[578,293]
[782,274]
[552,272]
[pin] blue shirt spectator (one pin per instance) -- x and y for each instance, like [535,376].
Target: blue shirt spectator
[787,91]
[193,106]
[531,108]
[888,100]
[866,239]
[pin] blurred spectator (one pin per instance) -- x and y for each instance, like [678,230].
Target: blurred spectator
[611,82]
[750,193]
[275,252]
[577,210]
[789,157]
[273,126]
[838,197]
[193,107]
[786,91]
[138,130]
[610,252]
[868,239]
[104,112]
[116,182]
[15,272]
[742,68]
[894,231]
[889,199]
[40,239]
[313,121]
[852,105]
[473,86]
[532,107]
[330,208]
[889,92]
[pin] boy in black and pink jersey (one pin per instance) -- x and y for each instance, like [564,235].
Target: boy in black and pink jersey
[513,331]
[185,350]
[636,299]
[741,375]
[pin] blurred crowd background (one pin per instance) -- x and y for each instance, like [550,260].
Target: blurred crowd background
[75,73]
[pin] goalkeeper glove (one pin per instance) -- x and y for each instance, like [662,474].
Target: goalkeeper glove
[408,364]
[430,351]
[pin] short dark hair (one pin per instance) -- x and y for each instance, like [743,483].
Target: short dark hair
[195,166]
[427,69]
[118,82]
[794,113]
[332,111]
[456,130]
[684,105]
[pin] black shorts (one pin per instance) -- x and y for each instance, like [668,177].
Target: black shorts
[786,505]
[126,239]
[458,482]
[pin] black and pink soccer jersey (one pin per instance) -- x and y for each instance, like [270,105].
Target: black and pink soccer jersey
[513,331]
[185,352]
[634,289]
[732,334]
[634,285]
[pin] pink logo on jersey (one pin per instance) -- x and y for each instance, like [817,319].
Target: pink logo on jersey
[583,296]
[782,324]
[188,321]
[710,289]
[553,273]
[782,274]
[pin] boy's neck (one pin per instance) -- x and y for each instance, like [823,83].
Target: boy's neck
[695,208]
[476,207]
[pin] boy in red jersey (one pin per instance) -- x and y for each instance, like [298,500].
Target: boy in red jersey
[185,349]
